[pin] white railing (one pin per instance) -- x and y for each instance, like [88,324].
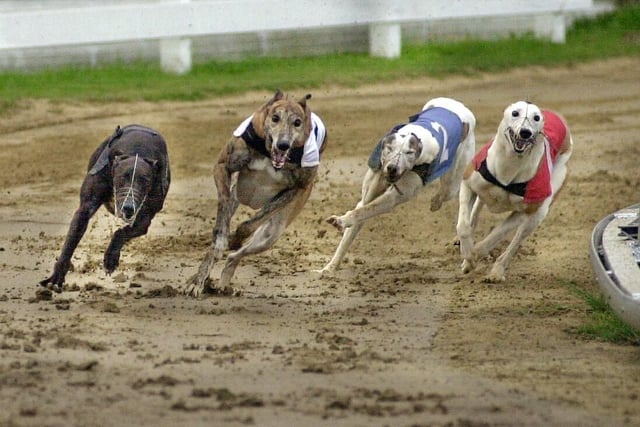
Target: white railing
[174,22]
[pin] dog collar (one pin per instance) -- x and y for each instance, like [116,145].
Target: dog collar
[517,188]
[255,141]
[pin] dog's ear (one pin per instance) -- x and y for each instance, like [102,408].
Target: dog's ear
[276,97]
[261,114]
[153,162]
[116,156]
[387,141]
[303,101]
[415,144]
[307,114]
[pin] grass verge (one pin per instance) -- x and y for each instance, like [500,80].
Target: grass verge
[604,324]
[609,35]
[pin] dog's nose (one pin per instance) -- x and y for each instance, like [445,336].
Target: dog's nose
[283,145]
[392,172]
[128,211]
[525,133]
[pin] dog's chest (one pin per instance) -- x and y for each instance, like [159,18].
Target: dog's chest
[495,198]
[259,182]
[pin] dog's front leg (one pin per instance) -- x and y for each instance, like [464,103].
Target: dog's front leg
[527,224]
[93,193]
[77,228]
[464,228]
[233,157]
[401,192]
[122,236]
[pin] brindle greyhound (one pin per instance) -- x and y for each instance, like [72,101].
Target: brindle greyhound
[269,164]
[128,174]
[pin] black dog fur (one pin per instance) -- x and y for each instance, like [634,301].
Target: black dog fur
[134,158]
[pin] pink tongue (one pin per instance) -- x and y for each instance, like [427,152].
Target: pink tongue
[278,160]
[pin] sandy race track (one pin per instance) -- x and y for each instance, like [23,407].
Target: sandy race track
[397,337]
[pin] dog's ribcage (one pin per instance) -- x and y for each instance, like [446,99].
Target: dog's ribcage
[271,182]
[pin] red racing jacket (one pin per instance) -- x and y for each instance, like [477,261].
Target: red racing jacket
[539,187]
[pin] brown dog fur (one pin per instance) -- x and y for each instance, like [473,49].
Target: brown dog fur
[278,189]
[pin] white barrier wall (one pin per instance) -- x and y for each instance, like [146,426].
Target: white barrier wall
[180,31]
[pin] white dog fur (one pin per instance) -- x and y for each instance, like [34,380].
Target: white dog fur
[513,158]
[396,181]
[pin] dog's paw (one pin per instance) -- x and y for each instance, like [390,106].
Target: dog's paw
[490,278]
[194,287]
[337,222]
[496,275]
[467,266]
[436,202]
[324,271]
[111,261]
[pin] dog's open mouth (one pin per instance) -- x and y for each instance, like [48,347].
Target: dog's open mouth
[279,158]
[520,144]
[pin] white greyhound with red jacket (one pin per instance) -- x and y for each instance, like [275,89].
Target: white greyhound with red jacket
[436,144]
[520,171]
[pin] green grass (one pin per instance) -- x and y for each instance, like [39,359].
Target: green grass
[604,324]
[615,34]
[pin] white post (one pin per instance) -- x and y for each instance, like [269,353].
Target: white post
[175,55]
[385,40]
[551,26]
[559,30]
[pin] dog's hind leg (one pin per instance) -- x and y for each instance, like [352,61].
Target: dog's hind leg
[297,196]
[373,185]
[261,240]
[475,213]
[528,224]
[499,233]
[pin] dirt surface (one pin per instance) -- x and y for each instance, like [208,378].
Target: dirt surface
[397,337]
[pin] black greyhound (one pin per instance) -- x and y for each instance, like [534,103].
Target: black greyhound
[128,174]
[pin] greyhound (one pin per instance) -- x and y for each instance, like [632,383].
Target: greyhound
[521,170]
[436,144]
[269,164]
[129,174]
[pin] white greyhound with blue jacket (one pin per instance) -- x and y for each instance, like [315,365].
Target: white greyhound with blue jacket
[436,144]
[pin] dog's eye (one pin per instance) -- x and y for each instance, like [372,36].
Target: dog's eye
[275,118]
[297,123]
[410,152]
[514,113]
[536,118]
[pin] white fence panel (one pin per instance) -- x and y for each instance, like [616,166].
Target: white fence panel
[173,22]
